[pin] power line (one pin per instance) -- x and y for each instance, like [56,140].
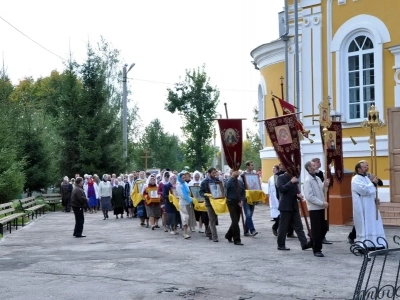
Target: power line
[169,83]
[31,39]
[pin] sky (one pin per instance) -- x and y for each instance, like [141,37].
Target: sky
[163,38]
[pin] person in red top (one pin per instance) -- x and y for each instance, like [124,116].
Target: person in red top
[164,181]
[152,202]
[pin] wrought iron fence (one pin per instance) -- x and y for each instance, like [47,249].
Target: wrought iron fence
[379,273]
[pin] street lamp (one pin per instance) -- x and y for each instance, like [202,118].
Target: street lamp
[125,111]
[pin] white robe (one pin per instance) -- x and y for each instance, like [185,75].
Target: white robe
[364,211]
[273,201]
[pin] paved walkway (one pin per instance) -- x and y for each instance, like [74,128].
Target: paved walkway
[120,260]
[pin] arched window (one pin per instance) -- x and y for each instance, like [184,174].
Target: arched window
[358,46]
[361,74]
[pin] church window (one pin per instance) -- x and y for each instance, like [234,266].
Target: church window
[361,75]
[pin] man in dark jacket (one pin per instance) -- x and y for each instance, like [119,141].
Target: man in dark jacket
[78,203]
[211,230]
[289,210]
[65,190]
[276,225]
[236,195]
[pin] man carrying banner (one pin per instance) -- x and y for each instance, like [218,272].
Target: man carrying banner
[320,175]
[314,193]
[289,210]
[235,195]
[211,229]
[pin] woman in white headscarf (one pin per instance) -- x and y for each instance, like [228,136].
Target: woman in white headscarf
[185,205]
[200,216]
[105,194]
[163,182]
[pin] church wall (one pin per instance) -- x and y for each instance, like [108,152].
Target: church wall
[315,79]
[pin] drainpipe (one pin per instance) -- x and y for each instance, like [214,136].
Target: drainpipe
[285,38]
[296,50]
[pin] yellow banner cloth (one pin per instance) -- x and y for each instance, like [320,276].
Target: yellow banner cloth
[174,201]
[199,206]
[136,196]
[219,205]
[254,196]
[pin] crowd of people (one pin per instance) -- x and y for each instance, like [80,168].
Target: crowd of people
[156,210]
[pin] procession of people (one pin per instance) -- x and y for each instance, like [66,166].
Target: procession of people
[155,207]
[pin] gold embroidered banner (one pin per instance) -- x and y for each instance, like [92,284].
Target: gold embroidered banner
[232,141]
[285,138]
[334,150]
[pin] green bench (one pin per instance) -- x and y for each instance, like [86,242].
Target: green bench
[52,199]
[8,215]
[30,206]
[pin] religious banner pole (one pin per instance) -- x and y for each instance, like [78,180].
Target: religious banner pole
[325,122]
[232,141]
[284,135]
[373,123]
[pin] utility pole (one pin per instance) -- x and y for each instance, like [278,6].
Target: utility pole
[125,112]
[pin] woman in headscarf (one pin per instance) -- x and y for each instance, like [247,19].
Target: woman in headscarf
[141,209]
[152,201]
[185,204]
[164,181]
[169,208]
[201,216]
[105,193]
[91,191]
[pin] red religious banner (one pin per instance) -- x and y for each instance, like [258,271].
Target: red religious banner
[288,108]
[284,136]
[232,141]
[334,149]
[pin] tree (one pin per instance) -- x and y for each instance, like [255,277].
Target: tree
[251,150]
[88,113]
[12,176]
[196,101]
[30,132]
[164,149]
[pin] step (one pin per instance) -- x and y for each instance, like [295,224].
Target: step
[390,204]
[390,214]
[392,221]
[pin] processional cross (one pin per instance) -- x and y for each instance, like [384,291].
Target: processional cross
[146,156]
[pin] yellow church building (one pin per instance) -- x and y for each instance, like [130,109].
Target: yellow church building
[349,51]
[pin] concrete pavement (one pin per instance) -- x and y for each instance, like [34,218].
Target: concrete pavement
[121,260]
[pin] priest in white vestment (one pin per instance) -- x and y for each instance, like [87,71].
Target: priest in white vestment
[273,200]
[364,209]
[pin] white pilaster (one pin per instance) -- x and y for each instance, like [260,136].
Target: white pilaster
[317,61]
[306,70]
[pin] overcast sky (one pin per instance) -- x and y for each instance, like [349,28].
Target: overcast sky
[163,38]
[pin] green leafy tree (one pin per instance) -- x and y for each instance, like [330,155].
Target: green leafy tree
[196,101]
[164,149]
[251,150]
[30,131]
